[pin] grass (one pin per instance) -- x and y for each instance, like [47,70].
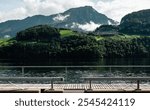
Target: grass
[125,37]
[6,41]
[99,38]
[119,37]
[66,33]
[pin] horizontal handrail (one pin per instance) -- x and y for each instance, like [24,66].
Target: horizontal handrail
[129,66]
[31,78]
[116,78]
[138,79]
[50,79]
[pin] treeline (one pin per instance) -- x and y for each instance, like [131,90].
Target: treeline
[42,42]
[40,33]
[78,47]
[69,47]
[137,47]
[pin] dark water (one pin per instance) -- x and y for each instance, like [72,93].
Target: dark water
[73,75]
[67,62]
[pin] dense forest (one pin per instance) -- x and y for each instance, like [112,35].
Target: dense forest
[43,41]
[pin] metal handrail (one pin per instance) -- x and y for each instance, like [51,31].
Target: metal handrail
[116,78]
[137,79]
[51,79]
[86,66]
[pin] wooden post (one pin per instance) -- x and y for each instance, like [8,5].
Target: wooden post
[52,86]
[90,85]
[138,85]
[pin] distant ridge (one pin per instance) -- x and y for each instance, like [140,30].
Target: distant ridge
[136,23]
[81,19]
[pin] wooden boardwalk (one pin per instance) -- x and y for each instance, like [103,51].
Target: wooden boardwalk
[75,87]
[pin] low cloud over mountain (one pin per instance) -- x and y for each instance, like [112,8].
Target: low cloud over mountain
[82,19]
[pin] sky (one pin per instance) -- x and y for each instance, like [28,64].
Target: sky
[114,9]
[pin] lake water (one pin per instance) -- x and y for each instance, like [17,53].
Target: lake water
[74,74]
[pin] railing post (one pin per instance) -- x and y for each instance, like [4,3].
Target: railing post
[52,85]
[90,82]
[110,69]
[66,71]
[22,70]
[138,85]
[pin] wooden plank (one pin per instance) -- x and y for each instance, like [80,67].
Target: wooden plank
[74,86]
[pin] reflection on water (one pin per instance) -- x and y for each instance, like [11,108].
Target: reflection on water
[56,62]
[73,75]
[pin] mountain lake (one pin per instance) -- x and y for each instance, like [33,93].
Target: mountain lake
[72,71]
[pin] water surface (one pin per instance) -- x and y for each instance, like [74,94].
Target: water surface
[73,75]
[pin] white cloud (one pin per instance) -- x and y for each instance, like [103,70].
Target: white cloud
[7,36]
[114,9]
[48,7]
[86,27]
[31,6]
[42,7]
[60,17]
[89,26]
[109,22]
[74,25]
[18,13]
[1,18]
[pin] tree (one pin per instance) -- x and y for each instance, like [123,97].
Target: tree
[38,33]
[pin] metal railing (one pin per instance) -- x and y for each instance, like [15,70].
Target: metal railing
[137,79]
[50,79]
[66,67]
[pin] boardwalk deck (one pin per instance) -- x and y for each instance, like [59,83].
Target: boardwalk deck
[75,87]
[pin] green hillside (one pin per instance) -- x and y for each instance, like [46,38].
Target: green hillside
[67,33]
[136,23]
[73,45]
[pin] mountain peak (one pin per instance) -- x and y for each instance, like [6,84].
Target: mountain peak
[84,18]
[85,7]
[82,9]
